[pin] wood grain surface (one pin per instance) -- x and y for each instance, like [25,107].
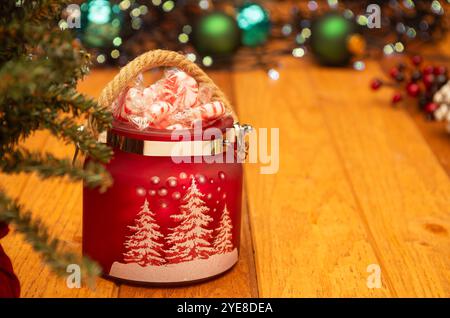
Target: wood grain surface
[359,183]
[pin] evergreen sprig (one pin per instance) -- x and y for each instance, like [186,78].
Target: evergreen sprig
[40,65]
[46,165]
[52,250]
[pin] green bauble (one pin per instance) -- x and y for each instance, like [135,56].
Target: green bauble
[101,23]
[329,39]
[254,22]
[216,34]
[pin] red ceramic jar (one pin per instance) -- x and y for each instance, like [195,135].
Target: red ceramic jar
[164,221]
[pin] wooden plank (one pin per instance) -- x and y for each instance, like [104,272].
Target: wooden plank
[241,280]
[14,183]
[436,136]
[308,237]
[402,191]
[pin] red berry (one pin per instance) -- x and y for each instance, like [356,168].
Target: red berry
[431,107]
[394,72]
[439,70]
[375,84]
[397,97]
[416,60]
[413,89]
[428,80]
[400,77]
[428,70]
[416,75]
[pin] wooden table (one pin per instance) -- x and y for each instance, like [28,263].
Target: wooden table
[359,183]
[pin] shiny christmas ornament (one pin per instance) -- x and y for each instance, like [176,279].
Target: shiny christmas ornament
[331,39]
[101,23]
[254,22]
[216,33]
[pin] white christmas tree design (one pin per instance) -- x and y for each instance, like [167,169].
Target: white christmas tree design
[190,239]
[143,246]
[223,241]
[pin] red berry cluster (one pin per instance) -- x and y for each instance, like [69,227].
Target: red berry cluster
[419,82]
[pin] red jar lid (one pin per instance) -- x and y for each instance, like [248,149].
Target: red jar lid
[124,129]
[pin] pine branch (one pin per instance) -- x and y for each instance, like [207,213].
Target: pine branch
[52,250]
[40,66]
[36,11]
[47,166]
[42,10]
[68,99]
[44,66]
[20,119]
[66,128]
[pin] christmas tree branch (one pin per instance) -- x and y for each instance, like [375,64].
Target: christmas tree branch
[36,11]
[69,99]
[52,250]
[30,75]
[67,129]
[40,65]
[41,10]
[22,115]
[47,166]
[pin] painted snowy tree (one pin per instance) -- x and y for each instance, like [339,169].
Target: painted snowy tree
[143,246]
[223,241]
[190,239]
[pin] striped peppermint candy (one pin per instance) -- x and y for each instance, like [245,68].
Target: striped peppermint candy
[141,122]
[212,110]
[118,104]
[179,89]
[134,102]
[158,111]
[149,95]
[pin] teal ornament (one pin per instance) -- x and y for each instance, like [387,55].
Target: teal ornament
[101,23]
[254,22]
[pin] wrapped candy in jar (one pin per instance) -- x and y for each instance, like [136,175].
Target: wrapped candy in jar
[173,213]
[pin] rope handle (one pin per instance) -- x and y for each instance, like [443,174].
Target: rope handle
[152,59]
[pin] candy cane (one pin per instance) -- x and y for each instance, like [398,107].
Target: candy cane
[180,90]
[212,110]
[157,111]
[133,102]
